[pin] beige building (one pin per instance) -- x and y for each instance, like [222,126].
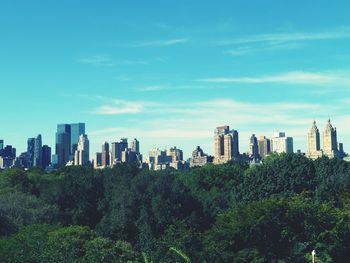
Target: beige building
[314,146]
[199,158]
[225,144]
[330,144]
[264,146]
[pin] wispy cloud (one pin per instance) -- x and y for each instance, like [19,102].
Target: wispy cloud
[252,49]
[161,43]
[119,107]
[153,88]
[253,44]
[108,61]
[293,77]
[338,33]
[99,60]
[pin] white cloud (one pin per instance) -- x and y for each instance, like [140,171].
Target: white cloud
[161,43]
[152,88]
[293,77]
[119,107]
[265,47]
[277,38]
[99,60]
[108,61]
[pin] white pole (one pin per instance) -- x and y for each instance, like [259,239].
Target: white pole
[313,253]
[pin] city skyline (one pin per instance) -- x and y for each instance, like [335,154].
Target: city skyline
[225,143]
[169,75]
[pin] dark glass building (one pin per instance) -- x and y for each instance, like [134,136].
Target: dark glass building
[9,152]
[46,156]
[63,136]
[30,152]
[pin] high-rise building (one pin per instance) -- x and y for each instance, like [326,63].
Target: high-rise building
[199,158]
[175,154]
[67,138]
[314,146]
[30,151]
[46,156]
[226,145]
[105,155]
[82,151]
[116,150]
[281,144]
[63,142]
[76,129]
[254,148]
[330,144]
[37,160]
[1,145]
[97,160]
[264,146]
[135,146]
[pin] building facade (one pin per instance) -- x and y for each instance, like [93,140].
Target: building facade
[105,155]
[253,148]
[38,160]
[264,146]
[281,144]
[82,153]
[330,144]
[46,156]
[199,158]
[314,143]
[226,144]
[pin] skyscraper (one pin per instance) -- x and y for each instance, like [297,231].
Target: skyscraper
[97,160]
[63,144]
[37,160]
[30,152]
[9,152]
[253,148]
[82,151]
[135,146]
[46,156]
[281,144]
[116,150]
[225,144]
[1,145]
[264,146]
[67,138]
[314,146]
[330,144]
[175,154]
[76,129]
[105,160]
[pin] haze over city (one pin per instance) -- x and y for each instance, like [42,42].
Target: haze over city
[170,75]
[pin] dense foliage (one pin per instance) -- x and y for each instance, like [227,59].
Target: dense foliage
[276,212]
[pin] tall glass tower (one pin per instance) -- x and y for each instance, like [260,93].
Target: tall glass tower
[67,138]
[77,129]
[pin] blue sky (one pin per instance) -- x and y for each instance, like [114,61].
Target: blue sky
[169,72]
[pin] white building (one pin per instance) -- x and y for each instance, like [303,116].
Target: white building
[281,144]
[81,156]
